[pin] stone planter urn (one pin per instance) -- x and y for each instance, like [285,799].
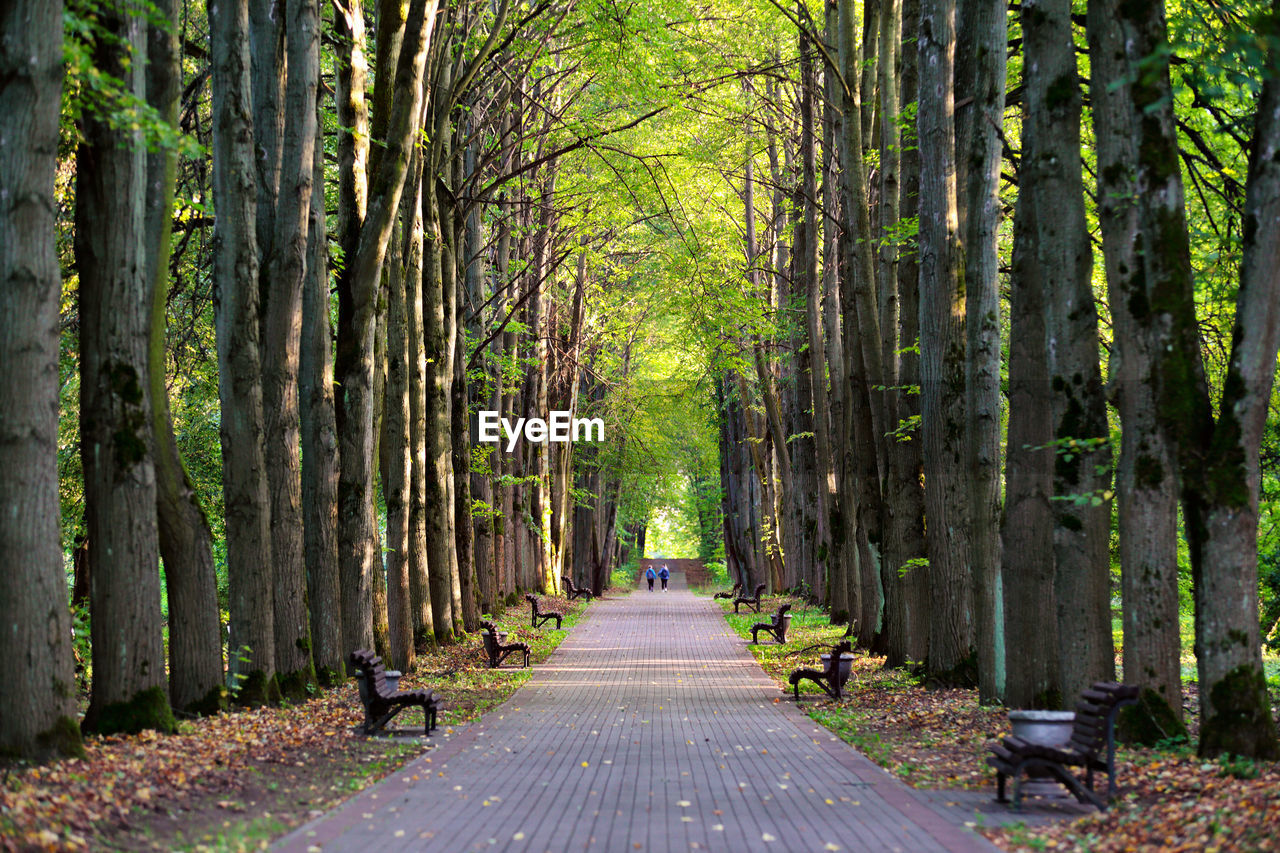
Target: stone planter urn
[1047,728]
[846,663]
[393,684]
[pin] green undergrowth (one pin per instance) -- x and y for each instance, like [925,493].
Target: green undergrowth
[460,671]
[928,738]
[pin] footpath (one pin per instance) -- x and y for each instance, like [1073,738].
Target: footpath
[651,728]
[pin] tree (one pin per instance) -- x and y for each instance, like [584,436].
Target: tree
[117,444]
[1082,469]
[251,650]
[942,346]
[1217,457]
[37,708]
[1146,476]
[285,268]
[186,542]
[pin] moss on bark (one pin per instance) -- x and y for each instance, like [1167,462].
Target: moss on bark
[211,703]
[1241,723]
[1151,721]
[257,689]
[148,709]
[297,686]
[61,740]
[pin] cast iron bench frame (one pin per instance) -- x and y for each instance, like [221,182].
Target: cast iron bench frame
[1093,729]
[731,594]
[753,602]
[829,678]
[497,651]
[576,591]
[540,617]
[383,704]
[776,626]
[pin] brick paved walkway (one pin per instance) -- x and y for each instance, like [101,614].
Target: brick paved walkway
[650,728]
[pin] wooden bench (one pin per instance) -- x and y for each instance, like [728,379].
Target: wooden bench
[494,647]
[1093,729]
[831,679]
[776,626]
[753,602]
[731,594]
[540,617]
[575,591]
[382,703]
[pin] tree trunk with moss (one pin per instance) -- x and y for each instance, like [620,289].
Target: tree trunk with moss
[37,706]
[1082,468]
[186,542]
[251,650]
[117,445]
[1146,476]
[1027,572]
[1218,459]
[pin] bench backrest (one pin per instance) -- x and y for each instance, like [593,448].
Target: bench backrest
[490,635]
[782,611]
[759,589]
[533,602]
[1095,712]
[375,674]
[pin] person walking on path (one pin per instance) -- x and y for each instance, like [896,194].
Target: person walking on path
[665,575]
[649,575]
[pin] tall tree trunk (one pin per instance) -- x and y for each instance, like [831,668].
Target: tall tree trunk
[438,427]
[419,584]
[906,582]
[1082,470]
[820,474]
[251,650]
[1218,460]
[358,288]
[1146,479]
[988,33]
[319,444]
[117,444]
[942,346]
[186,542]
[282,333]
[37,706]
[1030,620]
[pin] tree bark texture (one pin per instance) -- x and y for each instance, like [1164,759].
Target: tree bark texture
[942,348]
[1146,476]
[1082,468]
[37,706]
[282,333]
[1218,460]
[988,32]
[117,445]
[319,445]
[186,542]
[251,650]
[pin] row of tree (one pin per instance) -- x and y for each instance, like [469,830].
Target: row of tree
[895,311]
[352,350]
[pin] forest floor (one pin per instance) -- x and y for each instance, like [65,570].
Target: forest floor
[1170,800]
[235,781]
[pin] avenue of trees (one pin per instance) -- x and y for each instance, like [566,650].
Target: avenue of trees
[958,317]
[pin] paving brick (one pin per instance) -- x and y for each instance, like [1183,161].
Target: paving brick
[651,728]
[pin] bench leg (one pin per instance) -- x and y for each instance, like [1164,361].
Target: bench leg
[1000,797]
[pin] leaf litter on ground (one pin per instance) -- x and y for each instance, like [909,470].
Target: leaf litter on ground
[1169,799]
[236,780]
